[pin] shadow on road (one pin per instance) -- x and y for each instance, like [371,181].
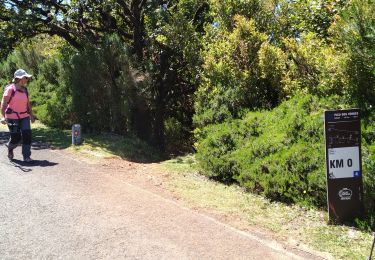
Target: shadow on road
[26,167]
[130,148]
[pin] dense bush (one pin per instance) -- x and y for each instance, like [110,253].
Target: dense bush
[368,158]
[100,83]
[355,32]
[279,153]
[235,73]
[41,58]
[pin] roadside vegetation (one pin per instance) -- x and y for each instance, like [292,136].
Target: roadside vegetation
[304,227]
[300,226]
[96,146]
[280,153]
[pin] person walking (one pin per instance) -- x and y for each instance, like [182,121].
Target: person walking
[17,114]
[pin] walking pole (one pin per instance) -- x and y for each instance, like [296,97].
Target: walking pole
[373,243]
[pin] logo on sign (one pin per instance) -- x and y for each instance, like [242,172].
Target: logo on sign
[345,194]
[357,174]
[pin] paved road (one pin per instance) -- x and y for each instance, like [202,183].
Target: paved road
[67,209]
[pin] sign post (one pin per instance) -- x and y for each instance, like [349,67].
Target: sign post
[344,166]
[76,134]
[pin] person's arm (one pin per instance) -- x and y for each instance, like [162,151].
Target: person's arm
[32,117]
[4,104]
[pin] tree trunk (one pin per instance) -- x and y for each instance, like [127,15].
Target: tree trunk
[138,29]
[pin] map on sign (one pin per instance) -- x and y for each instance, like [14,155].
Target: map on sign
[342,137]
[343,162]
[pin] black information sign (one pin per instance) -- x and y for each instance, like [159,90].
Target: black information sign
[344,166]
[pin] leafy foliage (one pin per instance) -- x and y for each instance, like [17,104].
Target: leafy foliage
[297,17]
[171,67]
[77,22]
[355,32]
[100,101]
[278,153]
[235,74]
[48,94]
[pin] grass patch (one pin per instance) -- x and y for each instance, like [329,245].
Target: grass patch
[56,138]
[299,225]
[97,145]
[181,164]
[109,145]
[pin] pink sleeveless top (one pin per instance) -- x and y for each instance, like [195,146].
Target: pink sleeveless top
[18,103]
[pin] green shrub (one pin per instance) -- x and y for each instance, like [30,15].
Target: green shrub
[215,145]
[280,153]
[236,73]
[100,82]
[355,32]
[368,163]
[48,93]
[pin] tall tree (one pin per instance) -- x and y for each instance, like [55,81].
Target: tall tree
[173,62]
[77,21]
[355,33]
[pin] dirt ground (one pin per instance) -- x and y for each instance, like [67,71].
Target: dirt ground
[65,206]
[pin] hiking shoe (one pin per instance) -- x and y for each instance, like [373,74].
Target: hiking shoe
[28,160]
[10,154]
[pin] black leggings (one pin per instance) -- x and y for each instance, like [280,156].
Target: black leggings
[20,129]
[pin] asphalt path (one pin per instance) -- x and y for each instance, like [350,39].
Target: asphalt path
[64,208]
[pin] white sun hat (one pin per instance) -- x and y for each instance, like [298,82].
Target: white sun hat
[20,73]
